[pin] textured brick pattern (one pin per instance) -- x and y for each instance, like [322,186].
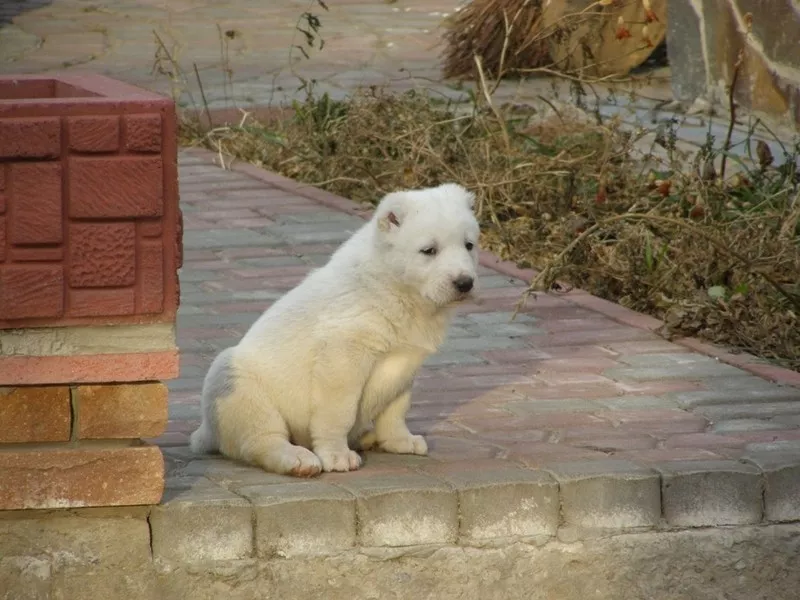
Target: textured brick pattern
[35,414]
[89,227]
[80,475]
[121,411]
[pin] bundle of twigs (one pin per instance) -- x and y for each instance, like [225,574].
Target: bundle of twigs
[504,33]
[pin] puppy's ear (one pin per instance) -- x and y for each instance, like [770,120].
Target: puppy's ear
[391,211]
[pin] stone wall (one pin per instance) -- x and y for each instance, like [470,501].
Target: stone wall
[705,39]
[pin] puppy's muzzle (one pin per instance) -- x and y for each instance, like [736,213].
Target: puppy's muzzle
[464,284]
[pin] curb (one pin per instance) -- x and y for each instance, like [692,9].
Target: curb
[576,296]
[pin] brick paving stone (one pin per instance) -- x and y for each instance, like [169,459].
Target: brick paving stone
[720,412]
[693,370]
[503,503]
[197,525]
[709,493]
[608,494]
[301,518]
[781,484]
[404,510]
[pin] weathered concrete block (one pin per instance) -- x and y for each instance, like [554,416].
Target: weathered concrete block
[505,503]
[89,537]
[302,518]
[685,48]
[781,484]
[705,38]
[63,555]
[404,510]
[708,493]
[201,523]
[608,494]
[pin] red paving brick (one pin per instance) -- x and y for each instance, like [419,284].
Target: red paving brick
[495,404]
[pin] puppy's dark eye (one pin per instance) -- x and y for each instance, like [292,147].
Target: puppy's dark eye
[431,251]
[469,246]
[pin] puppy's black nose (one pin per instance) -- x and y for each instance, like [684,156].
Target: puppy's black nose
[464,284]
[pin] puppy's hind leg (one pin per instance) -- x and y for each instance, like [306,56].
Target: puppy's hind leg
[251,429]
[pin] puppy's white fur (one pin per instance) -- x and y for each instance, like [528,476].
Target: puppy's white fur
[329,366]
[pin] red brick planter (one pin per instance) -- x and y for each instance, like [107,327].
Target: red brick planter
[89,217]
[88,170]
[90,245]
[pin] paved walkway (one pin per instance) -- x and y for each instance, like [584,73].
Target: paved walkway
[561,400]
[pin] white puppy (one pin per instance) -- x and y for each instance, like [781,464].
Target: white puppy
[329,366]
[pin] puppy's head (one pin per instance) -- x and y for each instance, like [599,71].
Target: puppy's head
[428,239]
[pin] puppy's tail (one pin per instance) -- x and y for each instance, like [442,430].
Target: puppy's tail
[203,441]
[218,384]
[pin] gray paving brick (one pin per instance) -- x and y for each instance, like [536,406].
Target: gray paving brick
[217,320]
[232,475]
[784,446]
[184,385]
[315,260]
[321,217]
[697,370]
[762,410]
[246,296]
[637,403]
[499,281]
[665,359]
[184,412]
[710,493]
[781,483]
[228,238]
[709,398]
[533,407]
[404,510]
[265,262]
[506,330]
[500,317]
[744,425]
[305,518]
[481,344]
[457,331]
[187,275]
[608,494]
[505,503]
[750,383]
[787,421]
[202,524]
[441,359]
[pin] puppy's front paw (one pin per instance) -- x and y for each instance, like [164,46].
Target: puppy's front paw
[303,463]
[339,461]
[410,444]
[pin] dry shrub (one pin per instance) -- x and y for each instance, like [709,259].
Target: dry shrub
[712,260]
[505,33]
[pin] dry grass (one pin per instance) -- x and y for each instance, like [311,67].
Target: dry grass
[719,260]
[505,33]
